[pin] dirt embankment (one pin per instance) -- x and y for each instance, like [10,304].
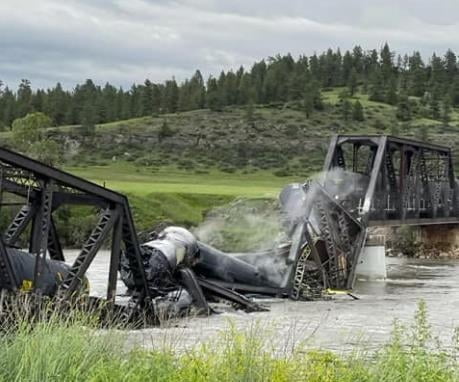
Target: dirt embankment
[415,242]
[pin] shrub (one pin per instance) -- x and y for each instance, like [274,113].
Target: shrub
[282,172]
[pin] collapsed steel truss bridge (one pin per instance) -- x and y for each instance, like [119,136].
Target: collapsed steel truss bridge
[367,181]
[43,190]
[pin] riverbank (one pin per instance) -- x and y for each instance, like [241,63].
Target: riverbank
[427,251]
[69,350]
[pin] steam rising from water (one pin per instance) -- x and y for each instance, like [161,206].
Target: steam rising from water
[261,225]
[241,226]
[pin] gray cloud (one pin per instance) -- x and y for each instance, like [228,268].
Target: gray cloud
[126,41]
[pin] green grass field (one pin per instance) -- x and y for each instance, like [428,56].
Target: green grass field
[142,181]
[180,196]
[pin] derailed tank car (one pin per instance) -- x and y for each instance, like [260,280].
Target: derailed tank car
[171,273]
[325,224]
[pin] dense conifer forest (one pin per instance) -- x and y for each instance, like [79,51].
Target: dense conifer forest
[382,74]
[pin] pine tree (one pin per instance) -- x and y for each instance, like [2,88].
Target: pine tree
[312,99]
[446,111]
[214,102]
[387,64]
[434,106]
[357,56]
[246,91]
[357,112]
[352,82]
[147,98]
[417,75]
[347,67]
[57,105]
[450,64]
[231,88]
[88,119]
[9,107]
[308,102]
[249,115]
[24,98]
[346,109]
[403,112]
[258,74]
[391,93]
[454,92]
[171,97]
[377,87]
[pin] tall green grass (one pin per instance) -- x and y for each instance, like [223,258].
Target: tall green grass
[71,350]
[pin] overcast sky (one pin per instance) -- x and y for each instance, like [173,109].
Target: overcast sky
[126,41]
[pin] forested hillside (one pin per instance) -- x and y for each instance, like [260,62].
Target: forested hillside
[178,150]
[382,75]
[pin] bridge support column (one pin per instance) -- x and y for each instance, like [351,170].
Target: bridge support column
[372,261]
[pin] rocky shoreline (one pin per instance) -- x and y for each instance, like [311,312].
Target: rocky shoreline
[422,251]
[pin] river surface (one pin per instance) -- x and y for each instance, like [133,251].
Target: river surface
[340,324]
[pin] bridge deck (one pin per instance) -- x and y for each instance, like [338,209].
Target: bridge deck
[413,222]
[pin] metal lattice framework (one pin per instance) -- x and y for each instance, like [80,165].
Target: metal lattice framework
[44,189]
[407,182]
[394,181]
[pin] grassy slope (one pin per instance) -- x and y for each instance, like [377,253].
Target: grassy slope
[179,196]
[161,187]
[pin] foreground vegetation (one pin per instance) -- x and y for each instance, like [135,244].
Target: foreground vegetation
[69,350]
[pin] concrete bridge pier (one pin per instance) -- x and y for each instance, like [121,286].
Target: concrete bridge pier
[372,261]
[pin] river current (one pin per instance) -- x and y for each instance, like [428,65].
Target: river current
[339,324]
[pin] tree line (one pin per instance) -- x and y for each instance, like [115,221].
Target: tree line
[383,75]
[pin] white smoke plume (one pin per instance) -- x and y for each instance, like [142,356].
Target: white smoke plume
[241,226]
[261,226]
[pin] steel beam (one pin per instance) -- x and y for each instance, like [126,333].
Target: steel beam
[374,177]
[8,278]
[78,270]
[391,139]
[42,232]
[19,224]
[115,255]
[54,244]
[414,221]
[132,250]
[43,171]
[330,154]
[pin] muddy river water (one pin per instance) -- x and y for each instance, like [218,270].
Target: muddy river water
[339,324]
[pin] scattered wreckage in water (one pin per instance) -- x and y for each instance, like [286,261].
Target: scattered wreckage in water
[182,271]
[324,221]
[173,271]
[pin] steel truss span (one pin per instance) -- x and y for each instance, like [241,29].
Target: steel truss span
[366,180]
[43,190]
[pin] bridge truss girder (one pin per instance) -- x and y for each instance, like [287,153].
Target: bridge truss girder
[393,181]
[43,190]
[403,181]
